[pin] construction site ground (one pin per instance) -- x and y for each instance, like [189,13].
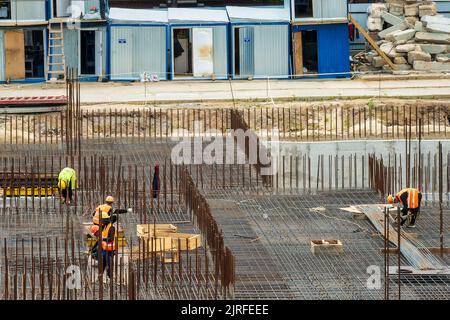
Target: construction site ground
[268,229]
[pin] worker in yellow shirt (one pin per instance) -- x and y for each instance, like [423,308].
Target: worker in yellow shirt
[410,198]
[67,180]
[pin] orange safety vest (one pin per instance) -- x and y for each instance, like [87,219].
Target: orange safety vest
[104,210]
[108,245]
[413,197]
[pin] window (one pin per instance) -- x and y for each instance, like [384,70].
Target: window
[141,4]
[303,8]
[5,9]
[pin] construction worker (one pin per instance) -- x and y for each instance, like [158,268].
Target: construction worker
[103,211]
[109,237]
[67,180]
[95,232]
[410,199]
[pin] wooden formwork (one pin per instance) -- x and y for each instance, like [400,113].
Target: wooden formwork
[326,246]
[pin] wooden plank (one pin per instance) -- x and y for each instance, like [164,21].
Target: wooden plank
[143,229]
[298,53]
[414,256]
[23,23]
[14,55]
[371,42]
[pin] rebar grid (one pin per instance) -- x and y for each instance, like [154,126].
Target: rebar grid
[284,225]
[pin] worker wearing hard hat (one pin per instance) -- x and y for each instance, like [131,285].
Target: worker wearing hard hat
[410,199]
[109,243]
[103,211]
[67,180]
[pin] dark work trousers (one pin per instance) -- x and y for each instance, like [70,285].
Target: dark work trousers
[68,192]
[414,212]
[108,257]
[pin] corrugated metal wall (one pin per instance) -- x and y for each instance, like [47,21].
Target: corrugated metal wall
[28,10]
[272,51]
[135,50]
[220,53]
[71,47]
[247,51]
[330,8]
[332,46]
[2,58]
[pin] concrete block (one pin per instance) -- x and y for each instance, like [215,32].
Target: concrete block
[433,48]
[400,60]
[375,9]
[433,37]
[406,48]
[378,62]
[435,19]
[431,66]
[418,55]
[399,27]
[389,50]
[390,18]
[404,35]
[427,10]
[396,9]
[403,67]
[400,42]
[435,27]
[374,24]
[418,26]
[442,58]
[411,21]
[411,10]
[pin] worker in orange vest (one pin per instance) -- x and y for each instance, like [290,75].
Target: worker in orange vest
[410,199]
[103,211]
[109,239]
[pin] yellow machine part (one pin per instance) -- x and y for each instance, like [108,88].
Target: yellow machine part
[91,241]
[34,192]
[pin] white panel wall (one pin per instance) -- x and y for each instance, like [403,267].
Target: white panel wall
[24,10]
[2,58]
[271,51]
[135,50]
[330,8]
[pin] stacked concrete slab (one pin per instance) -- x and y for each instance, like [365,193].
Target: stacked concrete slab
[412,35]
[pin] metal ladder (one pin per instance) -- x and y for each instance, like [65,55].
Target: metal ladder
[56,62]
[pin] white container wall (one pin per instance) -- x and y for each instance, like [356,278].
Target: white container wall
[71,47]
[220,52]
[271,51]
[329,9]
[26,10]
[321,9]
[135,50]
[2,58]
[263,51]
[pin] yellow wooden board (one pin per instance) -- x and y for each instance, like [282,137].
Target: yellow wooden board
[35,192]
[298,53]
[178,241]
[143,229]
[14,44]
